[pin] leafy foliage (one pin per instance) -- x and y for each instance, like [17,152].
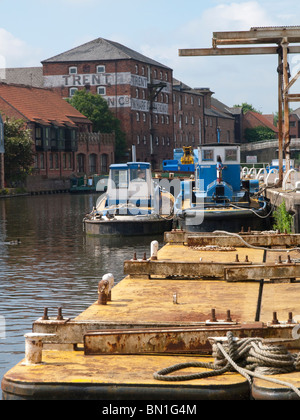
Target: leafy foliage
[96,109]
[283,220]
[18,150]
[258,134]
[247,107]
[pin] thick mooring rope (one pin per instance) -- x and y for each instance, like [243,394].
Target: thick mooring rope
[248,356]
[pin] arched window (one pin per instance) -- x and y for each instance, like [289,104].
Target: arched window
[104,163]
[81,162]
[93,163]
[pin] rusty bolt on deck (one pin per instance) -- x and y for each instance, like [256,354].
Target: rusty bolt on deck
[228,319]
[213,316]
[275,320]
[45,316]
[290,320]
[59,314]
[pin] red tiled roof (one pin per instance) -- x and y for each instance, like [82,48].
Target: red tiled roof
[35,104]
[254,119]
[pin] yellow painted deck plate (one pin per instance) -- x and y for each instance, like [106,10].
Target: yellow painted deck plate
[73,367]
[141,301]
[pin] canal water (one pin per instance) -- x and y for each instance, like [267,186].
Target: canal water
[46,260]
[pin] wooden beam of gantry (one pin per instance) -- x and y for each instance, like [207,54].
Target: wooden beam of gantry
[196,52]
[268,35]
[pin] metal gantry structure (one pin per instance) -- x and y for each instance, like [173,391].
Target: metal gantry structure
[273,40]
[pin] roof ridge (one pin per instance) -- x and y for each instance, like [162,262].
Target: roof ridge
[88,52]
[263,119]
[70,50]
[37,103]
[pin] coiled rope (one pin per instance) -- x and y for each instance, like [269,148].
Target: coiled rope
[247,356]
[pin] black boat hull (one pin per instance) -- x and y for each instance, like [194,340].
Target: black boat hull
[232,221]
[127,228]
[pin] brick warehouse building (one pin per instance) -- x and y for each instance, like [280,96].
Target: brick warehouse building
[63,143]
[157,112]
[138,90]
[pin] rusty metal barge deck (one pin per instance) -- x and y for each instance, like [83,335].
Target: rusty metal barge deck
[174,307]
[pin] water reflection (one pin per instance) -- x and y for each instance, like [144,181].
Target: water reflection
[54,265]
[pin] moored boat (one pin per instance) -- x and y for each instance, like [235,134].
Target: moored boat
[132,205]
[218,198]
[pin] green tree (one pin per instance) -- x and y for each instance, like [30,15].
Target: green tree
[18,158]
[247,107]
[96,109]
[259,133]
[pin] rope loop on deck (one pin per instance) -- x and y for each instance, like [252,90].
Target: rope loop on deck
[248,356]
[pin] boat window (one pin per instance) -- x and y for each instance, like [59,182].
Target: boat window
[137,175]
[119,178]
[230,155]
[208,154]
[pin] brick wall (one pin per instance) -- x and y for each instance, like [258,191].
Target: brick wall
[94,155]
[188,117]
[125,87]
[294,126]
[128,88]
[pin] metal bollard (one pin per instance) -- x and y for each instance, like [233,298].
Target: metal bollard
[34,347]
[110,278]
[154,250]
[103,291]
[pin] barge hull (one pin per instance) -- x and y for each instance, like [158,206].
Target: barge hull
[124,228]
[229,221]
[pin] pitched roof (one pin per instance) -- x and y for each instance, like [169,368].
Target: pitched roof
[255,119]
[101,49]
[37,105]
[220,109]
[296,112]
[31,76]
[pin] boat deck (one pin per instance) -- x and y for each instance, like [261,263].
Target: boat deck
[163,313]
[66,375]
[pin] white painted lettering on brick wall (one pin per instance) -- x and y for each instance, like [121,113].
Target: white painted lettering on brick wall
[118,101]
[77,80]
[103,79]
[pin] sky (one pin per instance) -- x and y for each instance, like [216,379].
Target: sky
[34,30]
